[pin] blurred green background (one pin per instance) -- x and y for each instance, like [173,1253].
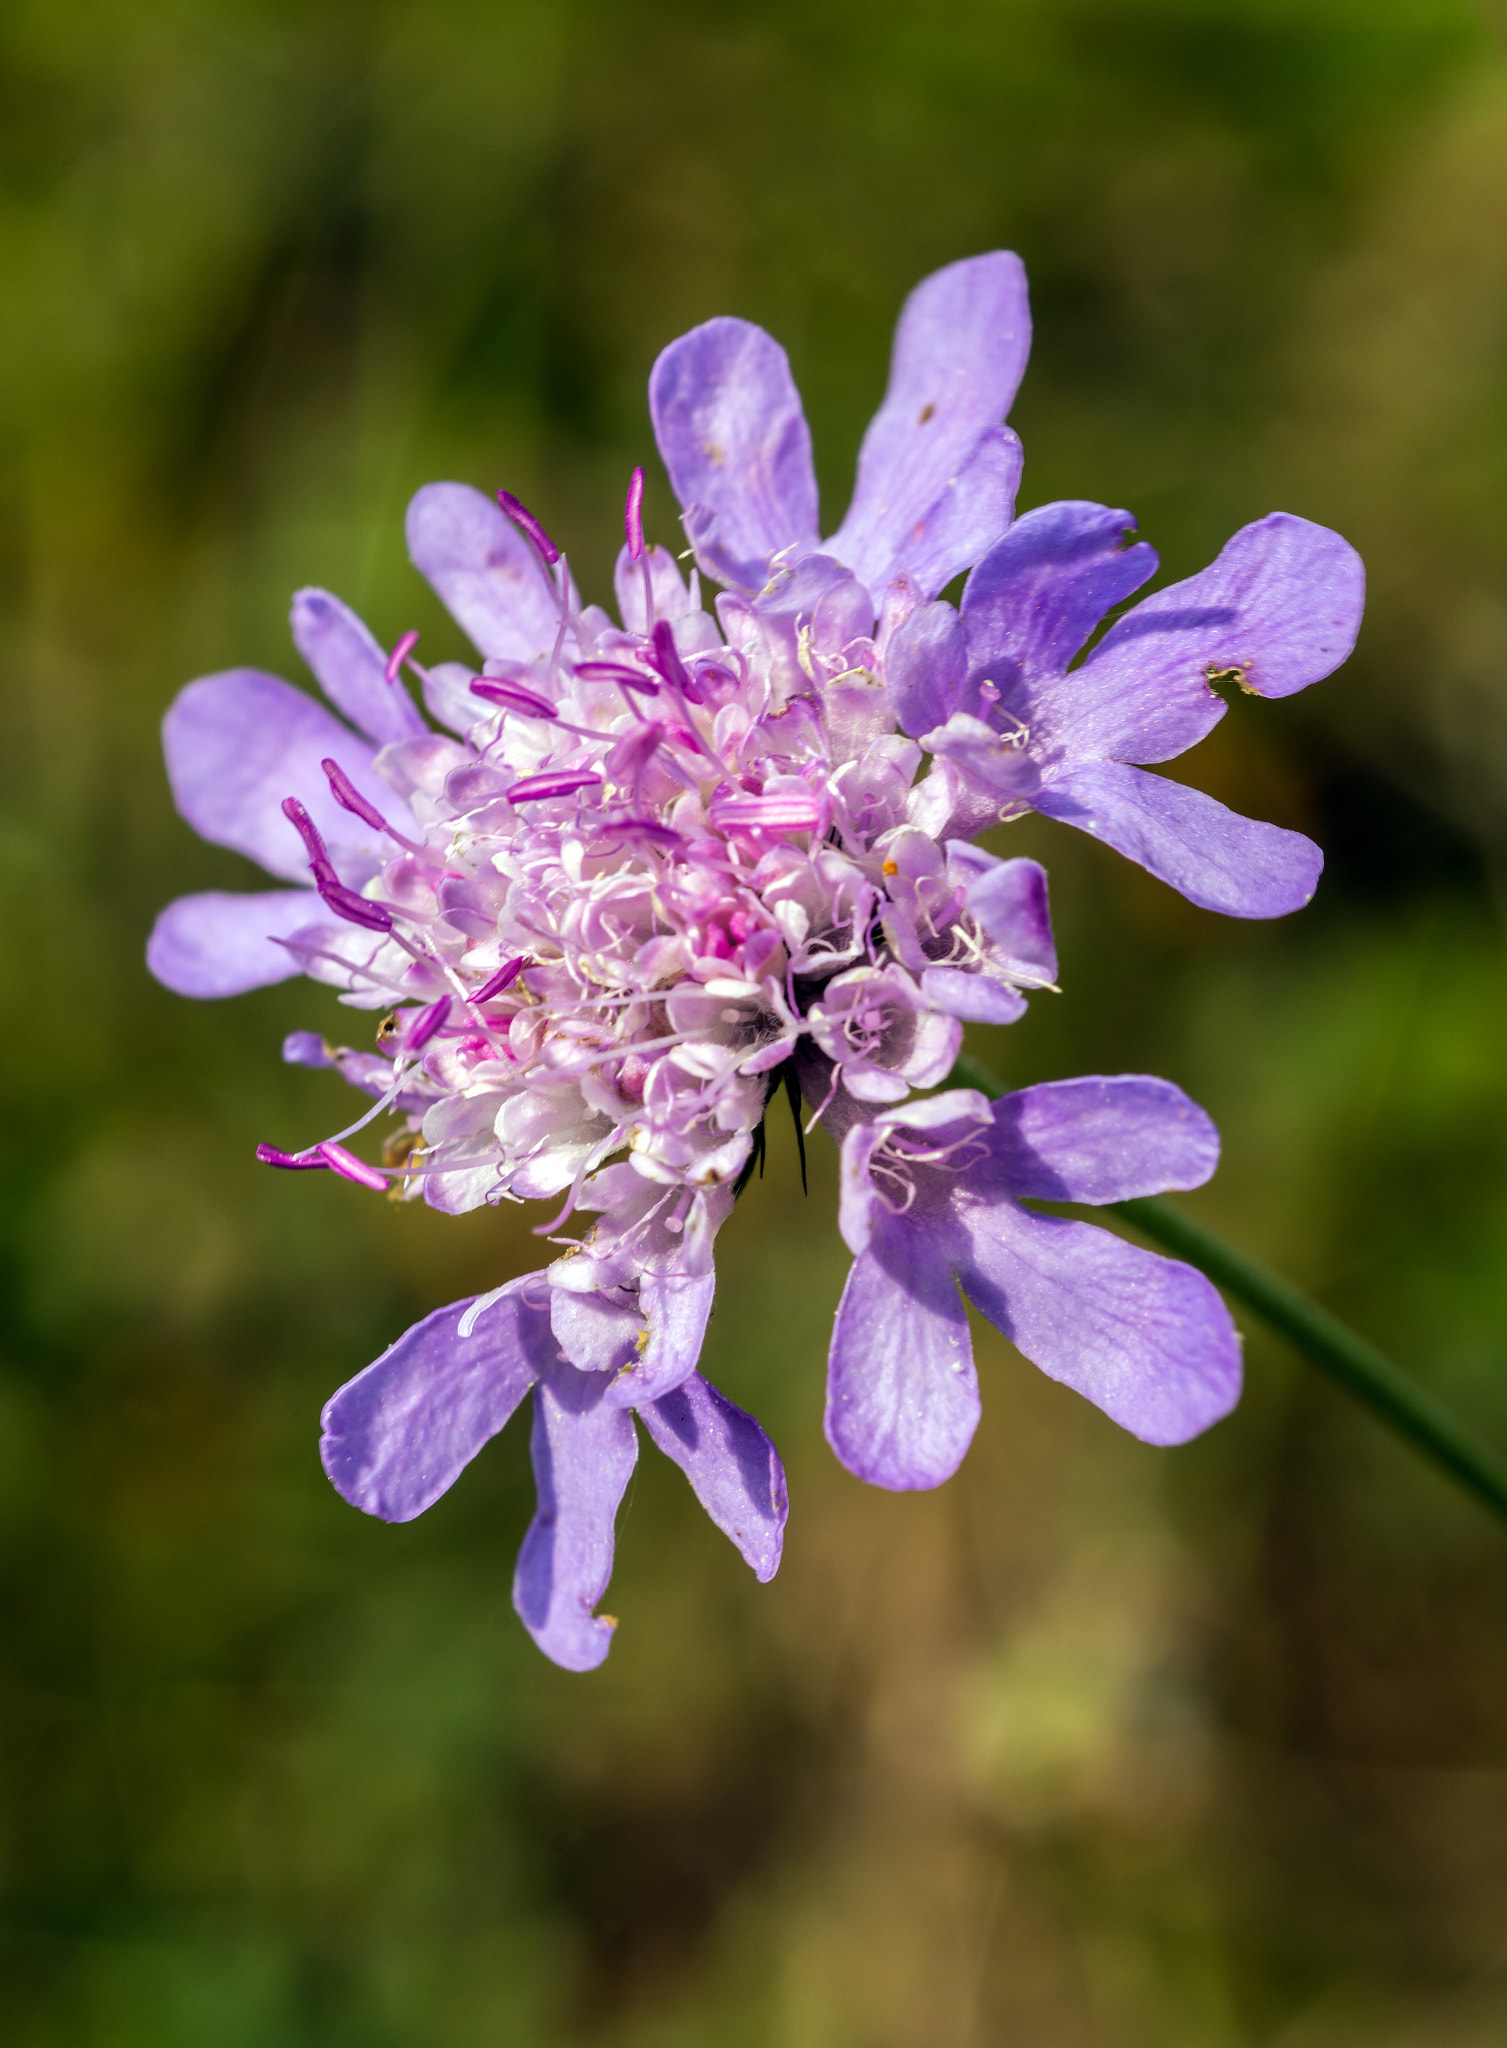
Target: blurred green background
[1099,1745]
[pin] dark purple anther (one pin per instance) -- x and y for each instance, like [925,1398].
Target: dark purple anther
[344,902]
[520,515]
[349,798]
[505,976]
[308,832]
[666,658]
[399,655]
[617,672]
[633,515]
[646,829]
[513,697]
[353,908]
[297,1162]
[563,782]
[350,1167]
[425,1024]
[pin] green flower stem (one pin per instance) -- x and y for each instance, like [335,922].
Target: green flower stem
[1322,1339]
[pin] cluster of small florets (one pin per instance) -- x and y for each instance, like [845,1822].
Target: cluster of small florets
[655,868]
[656,861]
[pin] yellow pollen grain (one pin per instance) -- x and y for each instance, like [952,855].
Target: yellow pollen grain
[890,868]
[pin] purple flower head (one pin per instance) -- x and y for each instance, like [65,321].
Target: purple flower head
[399,1435]
[989,690]
[644,871]
[938,469]
[932,1199]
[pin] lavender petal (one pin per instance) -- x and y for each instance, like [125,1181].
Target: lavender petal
[1277,610]
[1104,1138]
[489,578]
[351,668]
[237,744]
[973,511]
[1213,856]
[1008,898]
[1038,594]
[728,421]
[596,1332]
[399,1435]
[902,1394]
[960,352]
[732,1465]
[584,1451]
[926,668]
[222,945]
[676,1307]
[1145,1338]
[972,997]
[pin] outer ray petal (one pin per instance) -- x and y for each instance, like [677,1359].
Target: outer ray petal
[399,1435]
[1038,594]
[221,945]
[239,742]
[1104,1138]
[730,1462]
[487,575]
[1216,858]
[351,668]
[1145,1338]
[1281,605]
[902,1394]
[584,1451]
[960,352]
[974,509]
[728,421]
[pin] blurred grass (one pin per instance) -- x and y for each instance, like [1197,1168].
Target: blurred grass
[1098,1745]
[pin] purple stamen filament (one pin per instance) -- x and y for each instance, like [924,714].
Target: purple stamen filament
[399,655]
[520,515]
[343,901]
[633,515]
[349,798]
[513,697]
[617,672]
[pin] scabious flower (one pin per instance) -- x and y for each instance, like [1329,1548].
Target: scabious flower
[652,869]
